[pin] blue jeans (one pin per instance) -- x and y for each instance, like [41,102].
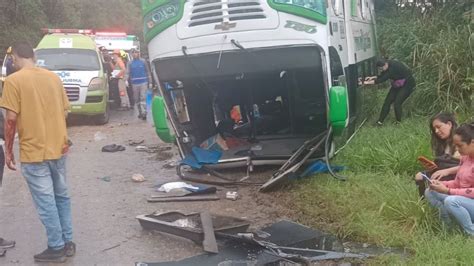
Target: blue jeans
[459,207]
[47,183]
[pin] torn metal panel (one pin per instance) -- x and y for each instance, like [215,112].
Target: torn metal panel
[189,226]
[209,243]
[295,162]
[184,198]
[283,241]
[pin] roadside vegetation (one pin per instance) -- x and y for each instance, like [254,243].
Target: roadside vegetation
[23,20]
[379,203]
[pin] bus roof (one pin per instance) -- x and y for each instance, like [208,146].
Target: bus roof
[65,40]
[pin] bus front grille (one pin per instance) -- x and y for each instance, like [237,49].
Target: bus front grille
[222,11]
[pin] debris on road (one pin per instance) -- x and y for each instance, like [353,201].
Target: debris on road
[113,148]
[105,178]
[232,195]
[118,125]
[209,243]
[164,155]
[153,148]
[138,178]
[175,185]
[116,246]
[287,242]
[184,198]
[170,164]
[99,136]
[3,252]
[132,142]
[166,223]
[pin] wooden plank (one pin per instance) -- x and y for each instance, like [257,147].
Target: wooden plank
[209,243]
[186,198]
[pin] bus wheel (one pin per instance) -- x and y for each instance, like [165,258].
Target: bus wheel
[103,118]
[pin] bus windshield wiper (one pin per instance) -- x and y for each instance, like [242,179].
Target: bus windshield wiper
[237,44]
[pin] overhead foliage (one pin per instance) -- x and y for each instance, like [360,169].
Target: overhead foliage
[23,19]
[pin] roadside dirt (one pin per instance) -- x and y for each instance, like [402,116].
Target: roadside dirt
[105,201]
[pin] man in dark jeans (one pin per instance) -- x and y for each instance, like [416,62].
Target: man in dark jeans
[403,84]
[4,244]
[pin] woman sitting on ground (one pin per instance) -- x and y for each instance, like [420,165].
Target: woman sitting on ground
[456,197]
[442,127]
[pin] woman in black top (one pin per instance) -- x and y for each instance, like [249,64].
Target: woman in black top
[403,84]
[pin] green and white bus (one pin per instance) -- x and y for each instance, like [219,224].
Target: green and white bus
[262,75]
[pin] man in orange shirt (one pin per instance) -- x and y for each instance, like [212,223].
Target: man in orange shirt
[36,104]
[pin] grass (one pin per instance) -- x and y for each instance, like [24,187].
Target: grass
[379,203]
[438,48]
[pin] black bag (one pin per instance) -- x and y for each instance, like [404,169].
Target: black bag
[446,161]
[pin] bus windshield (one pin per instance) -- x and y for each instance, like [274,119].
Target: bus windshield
[67,59]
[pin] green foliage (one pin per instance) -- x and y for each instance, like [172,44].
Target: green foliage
[23,20]
[438,46]
[379,202]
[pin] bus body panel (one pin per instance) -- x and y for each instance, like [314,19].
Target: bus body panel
[200,50]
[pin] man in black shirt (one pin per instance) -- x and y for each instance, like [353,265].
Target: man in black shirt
[403,84]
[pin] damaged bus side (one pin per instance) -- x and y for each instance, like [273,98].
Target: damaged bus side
[256,78]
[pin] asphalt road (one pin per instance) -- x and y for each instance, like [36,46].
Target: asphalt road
[104,224]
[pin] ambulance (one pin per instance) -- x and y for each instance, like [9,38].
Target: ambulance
[74,57]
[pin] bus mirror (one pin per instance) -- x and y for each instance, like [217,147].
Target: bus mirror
[338,109]
[159,118]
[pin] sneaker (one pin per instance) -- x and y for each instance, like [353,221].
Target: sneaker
[379,123]
[6,243]
[70,249]
[51,255]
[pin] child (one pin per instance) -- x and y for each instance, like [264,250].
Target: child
[456,197]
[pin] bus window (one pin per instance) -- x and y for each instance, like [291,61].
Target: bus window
[314,5]
[336,66]
[337,7]
[361,6]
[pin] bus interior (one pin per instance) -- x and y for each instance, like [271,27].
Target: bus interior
[263,103]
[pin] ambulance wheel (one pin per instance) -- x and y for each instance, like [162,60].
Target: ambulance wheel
[103,118]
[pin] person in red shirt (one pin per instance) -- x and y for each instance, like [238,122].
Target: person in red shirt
[455,198]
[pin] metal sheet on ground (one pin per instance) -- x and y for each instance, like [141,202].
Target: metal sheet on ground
[287,233]
[185,198]
[209,243]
